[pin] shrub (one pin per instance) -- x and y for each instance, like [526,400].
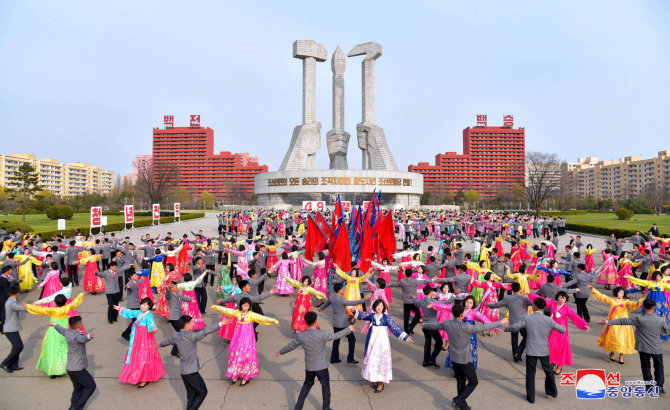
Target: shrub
[52,212]
[27,211]
[623,213]
[111,212]
[59,212]
[11,226]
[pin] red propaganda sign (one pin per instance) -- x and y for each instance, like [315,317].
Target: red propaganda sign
[313,205]
[346,206]
[481,120]
[129,213]
[96,217]
[195,120]
[177,209]
[168,120]
[156,211]
[508,121]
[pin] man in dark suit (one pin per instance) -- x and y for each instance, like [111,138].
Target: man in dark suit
[4,293]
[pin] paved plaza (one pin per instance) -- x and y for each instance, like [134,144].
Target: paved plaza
[501,381]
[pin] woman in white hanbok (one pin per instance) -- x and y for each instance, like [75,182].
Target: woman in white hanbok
[377,366]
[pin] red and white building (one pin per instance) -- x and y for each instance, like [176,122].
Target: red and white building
[192,149]
[493,156]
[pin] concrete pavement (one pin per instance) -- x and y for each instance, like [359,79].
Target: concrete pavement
[501,381]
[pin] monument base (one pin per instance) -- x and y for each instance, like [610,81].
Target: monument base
[288,189]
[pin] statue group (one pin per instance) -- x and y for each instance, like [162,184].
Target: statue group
[306,140]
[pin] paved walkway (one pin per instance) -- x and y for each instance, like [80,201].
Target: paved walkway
[501,381]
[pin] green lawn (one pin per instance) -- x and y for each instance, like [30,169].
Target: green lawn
[42,223]
[609,220]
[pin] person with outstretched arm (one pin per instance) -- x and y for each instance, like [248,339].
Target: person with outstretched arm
[313,341]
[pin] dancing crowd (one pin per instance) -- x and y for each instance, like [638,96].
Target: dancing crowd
[513,262]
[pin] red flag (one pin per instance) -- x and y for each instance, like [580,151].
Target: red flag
[341,250]
[326,229]
[314,240]
[387,236]
[366,249]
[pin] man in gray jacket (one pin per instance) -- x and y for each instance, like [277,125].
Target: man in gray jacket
[538,327]
[648,329]
[583,281]
[517,306]
[82,381]
[112,289]
[341,321]
[186,340]
[174,299]
[429,307]
[408,286]
[12,326]
[313,341]
[459,334]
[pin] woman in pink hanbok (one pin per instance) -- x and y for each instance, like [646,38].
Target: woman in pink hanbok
[51,282]
[608,274]
[143,363]
[282,268]
[385,270]
[320,274]
[191,308]
[296,263]
[242,261]
[560,354]
[228,323]
[490,296]
[378,292]
[589,260]
[625,270]
[442,295]
[242,354]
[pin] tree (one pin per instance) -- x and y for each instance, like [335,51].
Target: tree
[207,198]
[155,180]
[23,184]
[43,200]
[543,178]
[425,198]
[472,197]
[655,196]
[460,196]
[181,195]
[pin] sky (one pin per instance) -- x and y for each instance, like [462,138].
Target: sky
[84,81]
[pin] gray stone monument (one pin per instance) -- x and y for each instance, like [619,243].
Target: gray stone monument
[337,139]
[306,140]
[371,138]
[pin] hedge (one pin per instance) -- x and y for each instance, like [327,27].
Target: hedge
[120,225]
[12,226]
[600,230]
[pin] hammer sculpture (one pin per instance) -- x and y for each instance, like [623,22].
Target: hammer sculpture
[306,140]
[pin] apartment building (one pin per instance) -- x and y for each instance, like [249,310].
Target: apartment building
[624,178]
[75,178]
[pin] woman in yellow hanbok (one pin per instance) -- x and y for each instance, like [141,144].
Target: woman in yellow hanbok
[27,280]
[616,339]
[522,277]
[352,288]
[53,357]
